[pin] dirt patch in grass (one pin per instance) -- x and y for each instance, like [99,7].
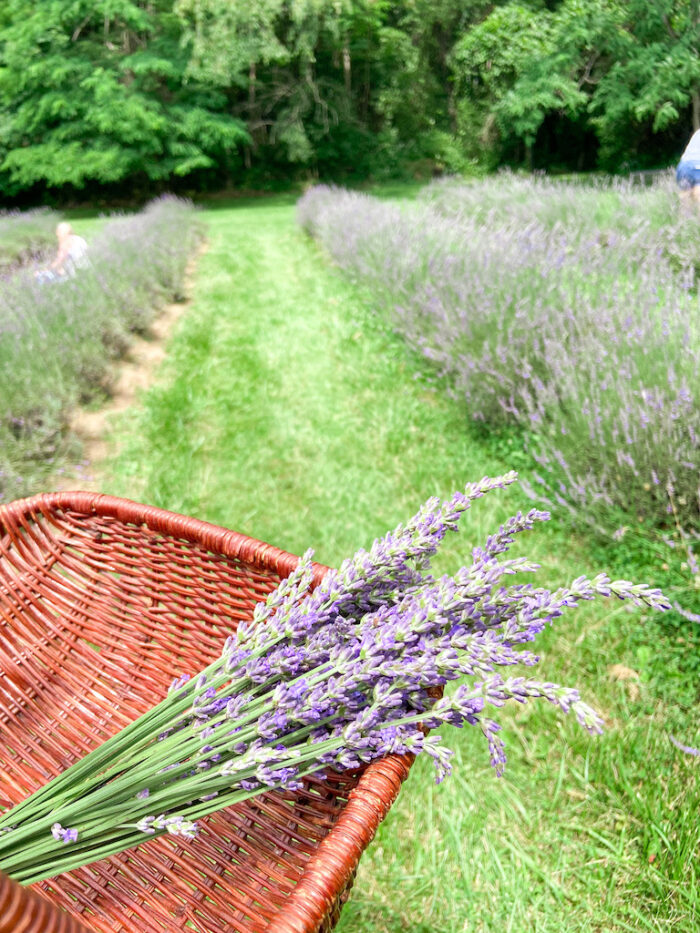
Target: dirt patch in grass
[132,375]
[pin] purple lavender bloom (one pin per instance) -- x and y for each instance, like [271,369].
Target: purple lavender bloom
[178,683]
[247,784]
[688,749]
[64,835]
[690,616]
[175,825]
[146,825]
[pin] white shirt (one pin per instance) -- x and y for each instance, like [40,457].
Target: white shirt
[77,257]
[692,150]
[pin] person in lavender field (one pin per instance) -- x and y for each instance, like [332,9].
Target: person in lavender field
[71,256]
[688,174]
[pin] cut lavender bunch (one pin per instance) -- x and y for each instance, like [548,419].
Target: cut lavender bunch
[330,678]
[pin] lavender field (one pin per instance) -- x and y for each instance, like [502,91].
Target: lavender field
[287,410]
[57,339]
[567,310]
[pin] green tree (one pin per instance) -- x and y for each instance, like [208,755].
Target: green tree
[95,91]
[488,61]
[416,89]
[627,71]
[372,76]
[653,83]
[269,50]
[145,92]
[526,64]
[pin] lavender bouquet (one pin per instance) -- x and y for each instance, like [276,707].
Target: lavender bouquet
[329,678]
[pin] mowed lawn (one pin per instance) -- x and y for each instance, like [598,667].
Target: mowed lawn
[285,410]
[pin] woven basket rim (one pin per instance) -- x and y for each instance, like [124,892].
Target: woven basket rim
[213,537]
[329,872]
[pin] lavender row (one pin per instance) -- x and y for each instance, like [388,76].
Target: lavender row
[571,311]
[25,236]
[57,338]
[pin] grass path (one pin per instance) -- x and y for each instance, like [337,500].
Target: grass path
[286,411]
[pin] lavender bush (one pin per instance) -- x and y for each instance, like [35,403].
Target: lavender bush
[25,237]
[328,679]
[569,310]
[602,203]
[56,339]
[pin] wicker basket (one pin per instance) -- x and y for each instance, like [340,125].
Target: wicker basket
[101,601]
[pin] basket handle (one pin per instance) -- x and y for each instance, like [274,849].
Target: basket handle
[23,911]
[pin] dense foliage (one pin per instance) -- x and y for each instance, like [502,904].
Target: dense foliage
[92,93]
[569,311]
[56,339]
[134,94]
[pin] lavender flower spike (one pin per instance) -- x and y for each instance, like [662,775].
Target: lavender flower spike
[64,835]
[688,749]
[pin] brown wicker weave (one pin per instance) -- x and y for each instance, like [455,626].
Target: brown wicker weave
[102,601]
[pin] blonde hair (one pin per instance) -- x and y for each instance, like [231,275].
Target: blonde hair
[63,230]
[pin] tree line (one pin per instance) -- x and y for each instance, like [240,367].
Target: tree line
[128,96]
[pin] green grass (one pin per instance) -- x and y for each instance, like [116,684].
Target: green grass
[286,411]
